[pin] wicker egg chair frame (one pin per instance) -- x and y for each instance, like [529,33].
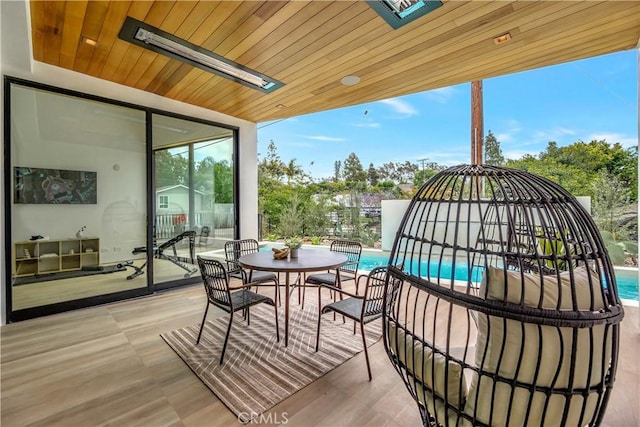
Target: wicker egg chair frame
[507,312]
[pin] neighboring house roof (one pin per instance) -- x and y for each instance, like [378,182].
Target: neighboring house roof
[180,186]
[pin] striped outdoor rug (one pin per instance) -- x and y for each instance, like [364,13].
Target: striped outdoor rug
[259,372]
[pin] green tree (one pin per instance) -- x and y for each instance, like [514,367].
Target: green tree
[492,151]
[223,182]
[316,219]
[271,167]
[272,194]
[353,172]
[293,172]
[574,180]
[576,166]
[170,169]
[372,175]
[429,170]
[291,223]
[407,171]
[337,170]
[389,172]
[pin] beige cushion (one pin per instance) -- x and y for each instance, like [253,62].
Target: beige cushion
[431,369]
[512,349]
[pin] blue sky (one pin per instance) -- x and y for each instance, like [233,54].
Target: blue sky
[595,98]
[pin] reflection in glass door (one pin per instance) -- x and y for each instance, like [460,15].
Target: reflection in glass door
[78,205]
[194,194]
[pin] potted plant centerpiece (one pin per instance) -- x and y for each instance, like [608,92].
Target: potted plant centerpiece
[293,243]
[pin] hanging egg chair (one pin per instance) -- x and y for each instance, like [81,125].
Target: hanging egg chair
[507,312]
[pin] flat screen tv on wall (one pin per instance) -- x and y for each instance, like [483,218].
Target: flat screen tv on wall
[54,186]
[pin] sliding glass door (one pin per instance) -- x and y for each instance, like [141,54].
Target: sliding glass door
[194,194]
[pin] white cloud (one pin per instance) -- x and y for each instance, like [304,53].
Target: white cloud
[325,138]
[452,157]
[509,129]
[400,107]
[612,138]
[553,134]
[513,125]
[441,95]
[503,137]
[517,154]
[366,125]
[301,144]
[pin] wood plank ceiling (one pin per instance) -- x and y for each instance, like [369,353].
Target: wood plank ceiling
[311,45]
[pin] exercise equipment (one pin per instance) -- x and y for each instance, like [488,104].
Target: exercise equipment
[160,252]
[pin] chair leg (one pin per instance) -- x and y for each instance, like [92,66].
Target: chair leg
[226,338]
[304,287]
[277,295]
[319,319]
[366,352]
[334,300]
[202,325]
[275,308]
[339,285]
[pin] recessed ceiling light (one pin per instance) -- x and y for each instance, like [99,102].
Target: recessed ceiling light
[281,106]
[89,41]
[502,38]
[350,80]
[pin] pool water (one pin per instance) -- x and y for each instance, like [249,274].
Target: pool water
[627,281]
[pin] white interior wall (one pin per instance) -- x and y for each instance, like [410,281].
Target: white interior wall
[16,61]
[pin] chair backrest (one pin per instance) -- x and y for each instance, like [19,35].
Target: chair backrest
[352,250]
[216,282]
[204,235]
[374,291]
[234,249]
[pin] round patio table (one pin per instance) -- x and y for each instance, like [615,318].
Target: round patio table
[308,260]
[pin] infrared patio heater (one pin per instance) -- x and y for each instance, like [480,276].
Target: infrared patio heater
[507,313]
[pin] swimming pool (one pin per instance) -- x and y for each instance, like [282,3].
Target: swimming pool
[626,278]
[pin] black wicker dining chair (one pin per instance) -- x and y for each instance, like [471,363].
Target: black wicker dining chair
[344,273]
[360,308]
[234,249]
[216,283]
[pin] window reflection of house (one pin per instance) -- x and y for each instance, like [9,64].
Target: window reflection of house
[176,197]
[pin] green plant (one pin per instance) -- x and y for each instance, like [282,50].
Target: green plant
[272,237]
[554,244]
[315,240]
[619,250]
[293,242]
[369,237]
